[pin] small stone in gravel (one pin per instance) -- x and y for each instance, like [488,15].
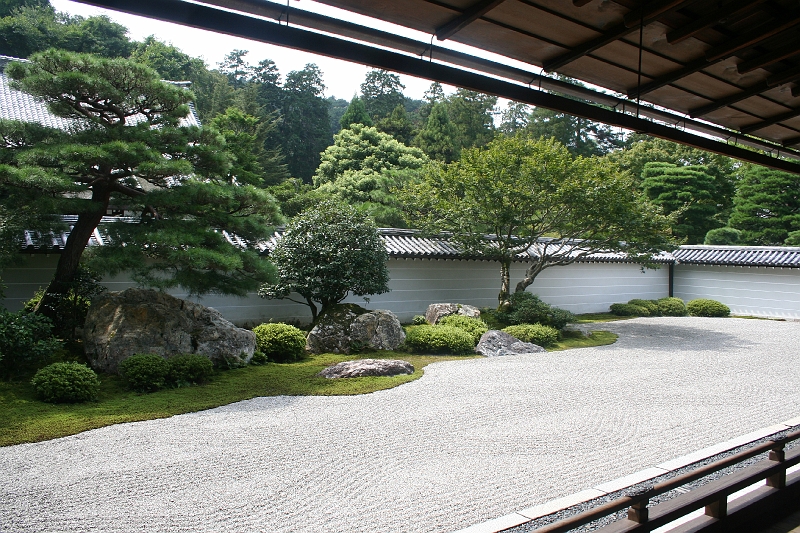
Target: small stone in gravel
[495,343]
[368,367]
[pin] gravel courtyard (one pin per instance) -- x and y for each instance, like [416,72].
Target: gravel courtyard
[470,441]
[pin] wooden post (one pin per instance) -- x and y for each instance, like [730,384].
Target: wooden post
[638,512]
[718,509]
[778,480]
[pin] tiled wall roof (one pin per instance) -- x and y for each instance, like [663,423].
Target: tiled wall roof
[758,256]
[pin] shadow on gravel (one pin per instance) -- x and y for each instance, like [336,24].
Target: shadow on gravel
[673,337]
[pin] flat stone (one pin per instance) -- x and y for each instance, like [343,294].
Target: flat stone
[368,367]
[495,343]
[436,312]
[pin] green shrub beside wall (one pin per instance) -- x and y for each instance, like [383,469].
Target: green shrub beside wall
[439,339]
[707,308]
[543,336]
[281,343]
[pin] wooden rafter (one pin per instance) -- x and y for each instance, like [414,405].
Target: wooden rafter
[580,3]
[729,11]
[470,15]
[779,54]
[719,103]
[770,121]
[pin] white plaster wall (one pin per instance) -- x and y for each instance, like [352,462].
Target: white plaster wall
[756,291]
[580,288]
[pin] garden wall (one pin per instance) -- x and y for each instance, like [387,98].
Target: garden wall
[415,283]
[756,291]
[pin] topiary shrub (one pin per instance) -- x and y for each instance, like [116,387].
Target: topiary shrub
[145,372]
[259,358]
[527,308]
[474,326]
[281,343]
[629,310]
[66,383]
[439,339]
[543,336]
[671,307]
[650,305]
[419,320]
[707,308]
[189,369]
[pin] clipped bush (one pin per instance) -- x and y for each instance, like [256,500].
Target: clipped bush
[527,308]
[671,307]
[629,310]
[474,326]
[26,343]
[145,372]
[650,305]
[281,343]
[439,339]
[259,358]
[543,336]
[419,320]
[708,308]
[190,368]
[66,383]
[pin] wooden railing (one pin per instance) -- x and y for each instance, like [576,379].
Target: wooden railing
[713,496]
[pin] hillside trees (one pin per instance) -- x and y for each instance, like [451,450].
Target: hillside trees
[767,207]
[521,195]
[128,150]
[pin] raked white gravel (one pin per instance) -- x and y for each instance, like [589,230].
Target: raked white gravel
[470,441]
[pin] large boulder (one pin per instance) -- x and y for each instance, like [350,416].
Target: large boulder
[495,343]
[435,312]
[120,324]
[349,326]
[368,367]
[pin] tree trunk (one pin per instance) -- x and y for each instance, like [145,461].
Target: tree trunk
[314,313]
[505,285]
[71,255]
[530,274]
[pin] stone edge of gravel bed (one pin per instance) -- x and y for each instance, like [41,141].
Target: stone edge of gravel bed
[534,517]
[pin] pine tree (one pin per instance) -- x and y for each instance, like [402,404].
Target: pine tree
[438,139]
[355,113]
[766,208]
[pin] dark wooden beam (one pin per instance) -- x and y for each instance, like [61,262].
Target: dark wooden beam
[796,91]
[470,15]
[792,142]
[779,54]
[580,3]
[784,76]
[770,121]
[208,18]
[726,13]
[650,12]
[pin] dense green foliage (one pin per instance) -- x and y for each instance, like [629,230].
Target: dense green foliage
[145,372]
[281,343]
[189,369]
[356,113]
[671,306]
[66,383]
[543,336]
[526,308]
[474,326]
[532,195]
[439,138]
[381,93]
[707,308]
[689,192]
[723,236]
[363,167]
[26,343]
[419,320]
[650,305]
[128,134]
[326,253]
[439,339]
[766,206]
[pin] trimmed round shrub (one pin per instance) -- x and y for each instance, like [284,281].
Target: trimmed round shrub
[281,343]
[543,336]
[708,308]
[671,307]
[439,339]
[650,305]
[190,368]
[419,320]
[474,326]
[629,310]
[145,372]
[66,383]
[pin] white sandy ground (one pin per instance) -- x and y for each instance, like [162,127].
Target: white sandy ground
[470,441]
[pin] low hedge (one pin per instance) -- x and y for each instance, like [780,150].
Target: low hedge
[189,369]
[66,383]
[439,339]
[145,372]
[543,336]
[671,307]
[474,326]
[707,308]
[629,310]
[650,305]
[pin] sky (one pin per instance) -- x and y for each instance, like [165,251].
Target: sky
[342,79]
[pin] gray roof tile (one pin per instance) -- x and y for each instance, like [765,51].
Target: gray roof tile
[759,256]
